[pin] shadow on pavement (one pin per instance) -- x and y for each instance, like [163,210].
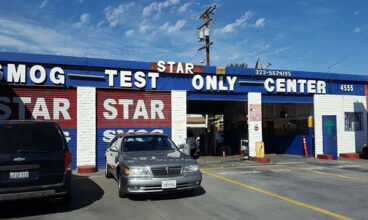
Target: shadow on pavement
[168,196]
[84,193]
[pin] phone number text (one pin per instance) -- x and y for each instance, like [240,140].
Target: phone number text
[273,73]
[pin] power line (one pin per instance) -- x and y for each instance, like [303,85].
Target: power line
[191,59]
[349,54]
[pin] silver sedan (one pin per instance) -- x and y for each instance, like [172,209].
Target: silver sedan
[150,162]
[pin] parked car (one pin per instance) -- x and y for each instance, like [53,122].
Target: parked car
[35,161]
[148,163]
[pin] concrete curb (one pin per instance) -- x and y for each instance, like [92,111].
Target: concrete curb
[260,159]
[350,156]
[87,169]
[325,156]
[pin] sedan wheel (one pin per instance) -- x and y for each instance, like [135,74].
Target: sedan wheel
[122,193]
[107,172]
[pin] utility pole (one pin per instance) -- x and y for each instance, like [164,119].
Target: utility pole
[204,31]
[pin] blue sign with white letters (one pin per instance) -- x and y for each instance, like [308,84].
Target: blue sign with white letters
[31,69]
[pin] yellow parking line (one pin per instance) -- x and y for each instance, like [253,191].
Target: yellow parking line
[328,174]
[314,208]
[240,167]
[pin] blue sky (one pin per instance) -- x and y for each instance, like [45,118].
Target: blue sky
[291,34]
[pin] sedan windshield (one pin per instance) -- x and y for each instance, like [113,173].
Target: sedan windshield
[147,143]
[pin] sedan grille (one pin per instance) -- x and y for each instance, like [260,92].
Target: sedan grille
[159,172]
[163,172]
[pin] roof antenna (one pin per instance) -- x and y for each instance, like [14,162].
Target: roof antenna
[257,63]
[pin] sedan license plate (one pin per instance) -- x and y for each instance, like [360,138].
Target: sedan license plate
[19,175]
[168,184]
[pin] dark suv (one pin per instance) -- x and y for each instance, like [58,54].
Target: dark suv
[35,161]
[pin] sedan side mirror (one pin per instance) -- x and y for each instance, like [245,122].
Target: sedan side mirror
[113,149]
[181,147]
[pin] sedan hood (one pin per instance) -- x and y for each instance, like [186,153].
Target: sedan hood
[156,158]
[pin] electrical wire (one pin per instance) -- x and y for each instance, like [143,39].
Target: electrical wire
[193,57]
[349,54]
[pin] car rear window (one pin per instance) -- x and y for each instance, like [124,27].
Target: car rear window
[30,138]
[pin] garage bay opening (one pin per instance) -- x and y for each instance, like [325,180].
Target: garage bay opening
[285,125]
[217,126]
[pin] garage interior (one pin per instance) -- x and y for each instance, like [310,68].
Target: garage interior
[225,127]
[284,125]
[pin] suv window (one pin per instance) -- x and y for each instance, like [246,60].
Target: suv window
[33,137]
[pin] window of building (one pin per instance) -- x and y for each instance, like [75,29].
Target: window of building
[353,121]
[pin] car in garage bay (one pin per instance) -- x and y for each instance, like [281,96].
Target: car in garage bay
[150,163]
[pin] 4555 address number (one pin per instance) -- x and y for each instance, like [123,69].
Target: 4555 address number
[347,88]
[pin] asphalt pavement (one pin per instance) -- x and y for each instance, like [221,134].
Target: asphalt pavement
[287,188]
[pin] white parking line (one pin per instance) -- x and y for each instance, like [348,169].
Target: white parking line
[329,174]
[315,168]
[280,170]
[224,173]
[348,166]
[239,172]
[332,167]
[287,163]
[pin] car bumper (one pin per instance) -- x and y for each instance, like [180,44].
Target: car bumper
[34,192]
[154,185]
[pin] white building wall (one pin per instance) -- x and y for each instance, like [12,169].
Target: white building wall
[347,141]
[178,116]
[86,126]
[255,136]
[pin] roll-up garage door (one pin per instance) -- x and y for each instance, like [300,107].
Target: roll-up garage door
[42,103]
[130,111]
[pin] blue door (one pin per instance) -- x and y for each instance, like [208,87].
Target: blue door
[329,135]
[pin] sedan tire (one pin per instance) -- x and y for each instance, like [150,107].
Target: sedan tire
[122,193]
[107,172]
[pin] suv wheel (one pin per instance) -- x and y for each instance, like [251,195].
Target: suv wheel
[122,193]
[67,197]
[107,172]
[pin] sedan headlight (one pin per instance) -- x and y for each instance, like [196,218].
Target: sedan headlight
[139,172]
[190,168]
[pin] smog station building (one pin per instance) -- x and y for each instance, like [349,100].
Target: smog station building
[95,99]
